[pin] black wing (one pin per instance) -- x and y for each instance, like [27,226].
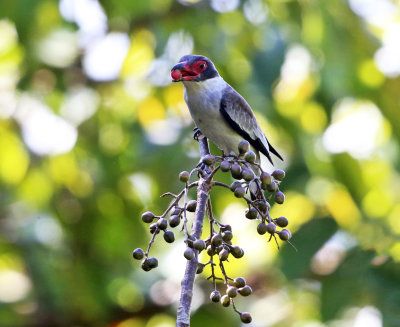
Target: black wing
[239,116]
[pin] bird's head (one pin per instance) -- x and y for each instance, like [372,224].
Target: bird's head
[193,68]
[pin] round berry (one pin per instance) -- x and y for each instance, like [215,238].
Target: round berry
[184,176]
[262,228]
[279,197]
[285,235]
[278,174]
[216,240]
[247,174]
[148,217]
[245,317]
[169,236]
[239,282]
[208,159]
[162,223]
[223,255]
[271,228]
[215,296]
[199,245]
[138,254]
[239,192]
[245,290]
[251,213]
[191,206]
[225,166]
[250,156]
[189,254]
[225,300]
[282,221]
[231,291]
[174,220]
[236,171]
[235,185]
[244,146]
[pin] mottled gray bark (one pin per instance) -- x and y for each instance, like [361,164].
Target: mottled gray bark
[203,191]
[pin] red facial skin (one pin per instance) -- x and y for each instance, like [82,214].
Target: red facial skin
[185,72]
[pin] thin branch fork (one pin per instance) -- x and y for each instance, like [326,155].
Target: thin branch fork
[203,192]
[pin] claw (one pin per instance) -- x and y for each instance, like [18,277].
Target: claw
[197,135]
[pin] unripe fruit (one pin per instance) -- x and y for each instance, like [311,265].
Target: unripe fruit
[145,265]
[199,245]
[250,156]
[184,176]
[174,221]
[216,240]
[231,291]
[285,235]
[169,236]
[208,159]
[278,174]
[239,192]
[263,206]
[236,171]
[210,251]
[265,178]
[251,213]
[279,197]
[215,296]
[190,240]
[272,187]
[200,268]
[271,228]
[225,301]
[245,317]
[239,282]
[223,255]
[225,166]
[152,262]
[226,227]
[281,221]
[227,236]
[177,211]
[247,174]
[189,254]
[154,228]
[245,291]
[244,146]
[138,254]
[262,228]
[237,252]
[162,223]
[191,206]
[235,185]
[148,217]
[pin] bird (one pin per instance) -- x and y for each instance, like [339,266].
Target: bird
[218,110]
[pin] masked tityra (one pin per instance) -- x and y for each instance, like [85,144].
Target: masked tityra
[220,113]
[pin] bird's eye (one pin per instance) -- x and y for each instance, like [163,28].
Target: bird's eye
[201,66]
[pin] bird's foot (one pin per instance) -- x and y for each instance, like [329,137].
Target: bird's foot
[197,135]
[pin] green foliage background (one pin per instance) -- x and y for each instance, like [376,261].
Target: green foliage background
[70,219]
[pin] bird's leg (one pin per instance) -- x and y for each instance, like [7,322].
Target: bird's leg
[197,135]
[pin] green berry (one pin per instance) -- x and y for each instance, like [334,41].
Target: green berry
[250,156]
[208,159]
[281,221]
[235,185]
[245,317]
[271,228]
[162,223]
[239,282]
[272,187]
[174,220]
[243,147]
[223,255]
[145,265]
[279,197]
[225,166]
[184,176]
[237,252]
[210,251]
[285,235]
[239,192]
[154,228]
[262,228]
[169,236]
[152,262]
[191,206]
[200,268]
[251,213]
[245,290]
[278,174]
[189,253]
[227,235]
[177,211]
[148,217]
[215,296]
[199,245]
[225,301]
[216,240]
[265,178]
[138,254]
[231,291]
[236,171]
[247,174]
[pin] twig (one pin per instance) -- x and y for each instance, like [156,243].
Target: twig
[203,191]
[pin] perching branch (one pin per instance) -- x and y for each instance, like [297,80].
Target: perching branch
[218,246]
[203,192]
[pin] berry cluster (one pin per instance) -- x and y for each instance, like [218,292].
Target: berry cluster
[255,186]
